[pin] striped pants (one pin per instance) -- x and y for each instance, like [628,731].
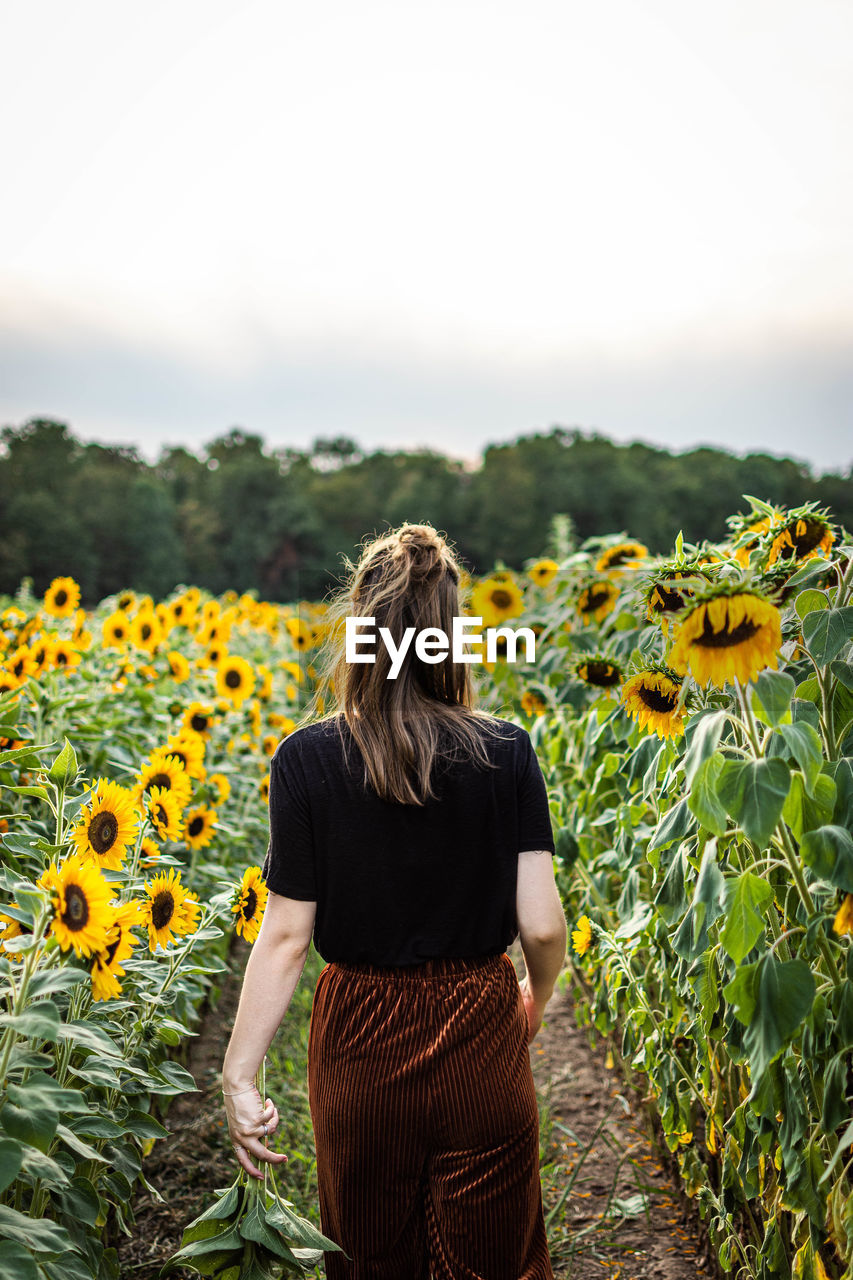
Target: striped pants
[425,1123]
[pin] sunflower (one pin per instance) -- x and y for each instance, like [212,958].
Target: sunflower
[843,922]
[293,669]
[235,680]
[183,612]
[178,666]
[299,632]
[597,599]
[80,897]
[116,630]
[255,717]
[730,632]
[582,936]
[65,655]
[748,530]
[20,663]
[496,599]
[278,721]
[107,825]
[162,912]
[269,744]
[199,717]
[149,850]
[189,913]
[533,704]
[126,602]
[624,555]
[249,903]
[651,697]
[62,597]
[198,827]
[164,813]
[598,670]
[106,968]
[663,598]
[165,772]
[543,571]
[805,535]
[221,785]
[145,630]
[188,748]
[41,653]
[264,787]
[12,928]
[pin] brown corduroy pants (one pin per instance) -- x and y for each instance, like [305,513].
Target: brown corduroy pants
[425,1122]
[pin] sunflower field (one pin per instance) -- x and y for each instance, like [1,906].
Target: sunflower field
[693,715]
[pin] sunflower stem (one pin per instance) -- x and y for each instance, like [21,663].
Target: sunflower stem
[10,1035]
[792,858]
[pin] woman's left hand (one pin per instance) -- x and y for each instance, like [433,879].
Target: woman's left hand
[250,1122]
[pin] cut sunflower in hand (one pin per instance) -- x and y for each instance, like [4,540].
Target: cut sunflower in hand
[652,697]
[731,631]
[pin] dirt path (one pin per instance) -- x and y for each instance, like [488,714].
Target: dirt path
[651,1231]
[581,1093]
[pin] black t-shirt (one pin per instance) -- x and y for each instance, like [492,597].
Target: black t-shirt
[397,884]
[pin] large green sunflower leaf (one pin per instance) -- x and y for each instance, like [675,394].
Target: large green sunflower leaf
[803,812]
[829,853]
[747,896]
[826,632]
[703,799]
[784,996]
[754,793]
[772,694]
[16,1262]
[10,1162]
[804,744]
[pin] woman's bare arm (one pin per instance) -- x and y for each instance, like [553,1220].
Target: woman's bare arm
[542,931]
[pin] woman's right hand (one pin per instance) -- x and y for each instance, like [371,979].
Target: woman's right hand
[534,1009]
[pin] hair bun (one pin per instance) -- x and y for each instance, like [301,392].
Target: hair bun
[422,548]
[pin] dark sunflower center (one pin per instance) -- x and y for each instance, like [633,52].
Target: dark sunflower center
[250,905]
[178,610]
[179,756]
[160,780]
[196,826]
[161,815]
[199,723]
[501,599]
[61,597]
[655,700]
[112,948]
[102,832]
[805,535]
[595,598]
[76,912]
[665,601]
[18,667]
[61,658]
[601,673]
[145,631]
[119,632]
[725,639]
[162,909]
[233,679]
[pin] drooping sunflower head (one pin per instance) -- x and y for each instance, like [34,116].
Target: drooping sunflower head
[596,599]
[198,826]
[249,903]
[235,680]
[532,703]
[667,590]
[621,556]
[599,670]
[543,572]
[731,631]
[107,826]
[804,534]
[62,597]
[80,898]
[748,529]
[164,813]
[652,697]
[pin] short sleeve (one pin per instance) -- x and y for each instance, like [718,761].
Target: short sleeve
[534,817]
[289,866]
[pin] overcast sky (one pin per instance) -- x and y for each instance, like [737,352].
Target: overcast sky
[440,224]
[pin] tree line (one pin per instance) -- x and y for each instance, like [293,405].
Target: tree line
[278,521]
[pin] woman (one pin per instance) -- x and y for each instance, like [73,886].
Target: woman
[410,836]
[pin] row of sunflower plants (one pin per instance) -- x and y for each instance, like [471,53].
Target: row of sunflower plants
[694,717]
[134,745]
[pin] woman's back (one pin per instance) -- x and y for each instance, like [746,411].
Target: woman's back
[398,884]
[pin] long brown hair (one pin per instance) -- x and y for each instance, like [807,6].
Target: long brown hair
[408,577]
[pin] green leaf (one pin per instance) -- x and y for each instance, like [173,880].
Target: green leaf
[843,672]
[772,694]
[38,793]
[703,733]
[703,800]
[675,824]
[810,602]
[742,992]
[826,632]
[835,1109]
[81,1201]
[803,812]
[64,768]
[299,1230]
[10,1162]
[829,853]
[786,990]
[747,896]
[671,899]
[16,1262]
[709,893]
[253,1226]
[38,1022]
[38,1234]
[754,793]
[804,744]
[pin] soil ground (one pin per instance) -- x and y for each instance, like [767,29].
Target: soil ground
[623,1217]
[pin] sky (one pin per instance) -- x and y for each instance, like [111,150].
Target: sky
[435,225]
